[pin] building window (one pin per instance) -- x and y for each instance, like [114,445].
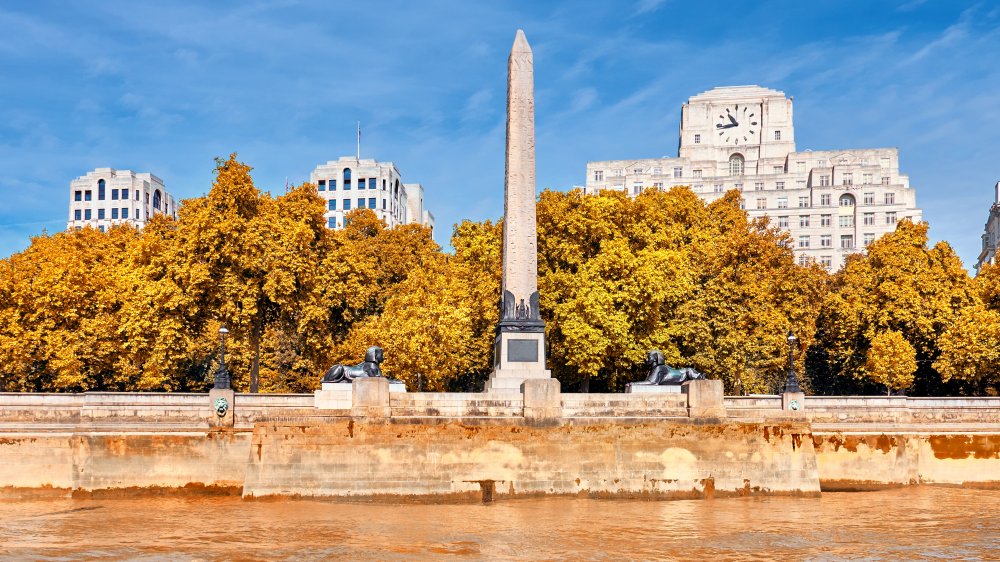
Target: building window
[738,186]
[598,175]
[697,173]
[101,228]
[847,241]
[846,221]
[125,213]
[827,261]
[78,196]
[87,195]
[100,190]
[783,222]
[824,181]
[778,169]
[697,139]
[758,186]
[826,241]
[114,195]
[847,200]
[86,214]
[777,135]
[800,167]
[866,179]
[617,172]
[869,238]
[657,171]
[678,172]
[824,199]
[347,204]
[848,179]
[114,213]
[736,163]
[869,219]
[870,198]
[890,198]
[885,180]
[717,188]
[347,178]
[825,220]
[804,241]
[890,217]
[157,199]
[331,222]
[372,183]
[100,214]
[361,183]
[782,202]
[383,203]
[372,203]
[321,186]
[803,221]
[77,215]
[779,185]
[761,203]
[332,205]
[636,188]
[361,202]
[803,202]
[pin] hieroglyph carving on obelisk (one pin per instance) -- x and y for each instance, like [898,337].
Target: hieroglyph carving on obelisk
[520,247]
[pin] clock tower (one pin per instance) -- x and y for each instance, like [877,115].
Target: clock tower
[746,124]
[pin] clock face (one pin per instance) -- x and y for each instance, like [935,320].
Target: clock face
[738,124]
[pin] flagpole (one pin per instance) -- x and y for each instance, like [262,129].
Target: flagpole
[359,140]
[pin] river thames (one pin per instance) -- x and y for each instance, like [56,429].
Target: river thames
[902,524]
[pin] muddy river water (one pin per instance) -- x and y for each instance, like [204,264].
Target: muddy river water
[902,524]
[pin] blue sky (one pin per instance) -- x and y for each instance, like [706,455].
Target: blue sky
[165,88]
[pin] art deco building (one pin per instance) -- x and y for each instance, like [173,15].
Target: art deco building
[991,232]
[832,202]
[352,183]
[107,197]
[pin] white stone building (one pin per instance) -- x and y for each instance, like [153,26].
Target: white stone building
[351,183]
[108,197]
[832,202]
[991,232]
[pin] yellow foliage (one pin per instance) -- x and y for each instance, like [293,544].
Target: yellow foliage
[891,361]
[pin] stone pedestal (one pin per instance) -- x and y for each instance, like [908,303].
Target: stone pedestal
[370,397]
[518,357]
[340,395]
[793,403]
[632,388]
[229,395]
[704,398]
[542,399]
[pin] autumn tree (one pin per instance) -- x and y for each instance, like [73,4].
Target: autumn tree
[899,285]
[890,361]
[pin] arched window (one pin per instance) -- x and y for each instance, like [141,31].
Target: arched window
[156,199]
[100,190]
[736,162]
[847,200]
[347,178]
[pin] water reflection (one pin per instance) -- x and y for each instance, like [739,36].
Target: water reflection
[910,523]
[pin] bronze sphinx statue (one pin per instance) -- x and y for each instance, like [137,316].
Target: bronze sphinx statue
[662,374]
[370,367]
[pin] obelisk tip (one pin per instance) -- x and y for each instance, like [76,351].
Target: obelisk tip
[520,43]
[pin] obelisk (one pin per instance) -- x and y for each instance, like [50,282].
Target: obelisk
[519,351]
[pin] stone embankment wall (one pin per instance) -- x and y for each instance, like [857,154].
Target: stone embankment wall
[466,445]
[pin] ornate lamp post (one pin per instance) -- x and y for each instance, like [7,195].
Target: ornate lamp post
[222,375]
[792,382]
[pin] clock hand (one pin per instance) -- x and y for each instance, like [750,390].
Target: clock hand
[733,119]
[728,126]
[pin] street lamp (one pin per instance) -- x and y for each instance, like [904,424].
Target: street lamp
[222,375]
[792,382]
